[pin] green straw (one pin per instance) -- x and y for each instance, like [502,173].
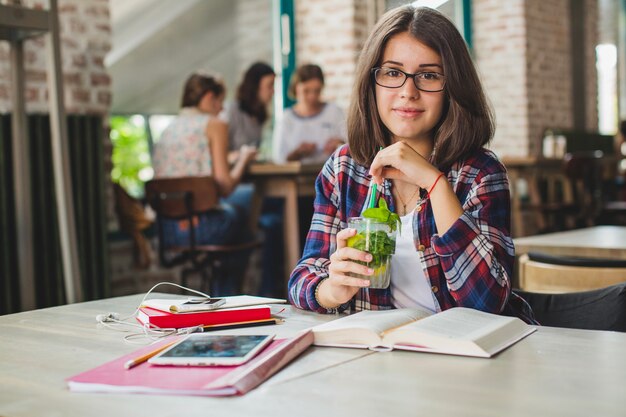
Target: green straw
[374,190]
[373,196]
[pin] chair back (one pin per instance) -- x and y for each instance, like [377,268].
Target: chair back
[181,197]
[600,309]
[549,274]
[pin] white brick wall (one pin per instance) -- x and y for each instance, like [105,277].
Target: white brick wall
[330,33]
[549,68]
[85,40]
[499,40]
[523,51]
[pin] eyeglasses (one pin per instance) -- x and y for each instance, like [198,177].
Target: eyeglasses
[431,82]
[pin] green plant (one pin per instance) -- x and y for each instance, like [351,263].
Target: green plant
[131,154]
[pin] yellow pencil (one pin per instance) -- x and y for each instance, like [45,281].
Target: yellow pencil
[134,362]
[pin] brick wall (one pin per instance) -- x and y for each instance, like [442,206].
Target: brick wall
[330,33]
[523,51]
[549,68]
[85,40]
[499,35]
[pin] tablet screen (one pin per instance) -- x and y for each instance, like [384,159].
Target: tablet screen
[206,349]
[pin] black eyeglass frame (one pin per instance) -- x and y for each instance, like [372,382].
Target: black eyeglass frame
[408,75]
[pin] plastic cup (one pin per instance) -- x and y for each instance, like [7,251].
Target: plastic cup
[376,238]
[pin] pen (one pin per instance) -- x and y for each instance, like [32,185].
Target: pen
[241,324]
[134,362]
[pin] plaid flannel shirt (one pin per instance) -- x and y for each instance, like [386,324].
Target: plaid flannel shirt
[469,266]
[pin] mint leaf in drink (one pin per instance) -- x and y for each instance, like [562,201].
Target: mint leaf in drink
[382,214]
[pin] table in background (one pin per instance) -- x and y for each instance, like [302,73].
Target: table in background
[288,181]
[553,372]
[592,242]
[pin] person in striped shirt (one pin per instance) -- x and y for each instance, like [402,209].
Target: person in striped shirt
[418,125]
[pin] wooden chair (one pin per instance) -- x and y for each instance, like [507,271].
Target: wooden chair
[185,198]
[551,274]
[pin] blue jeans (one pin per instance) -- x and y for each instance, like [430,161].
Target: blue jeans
[271,223]
[224,226]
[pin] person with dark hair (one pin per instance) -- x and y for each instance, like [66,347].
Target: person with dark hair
[417,126]
[246,117]
[196,144]
[311,129]
[248,113]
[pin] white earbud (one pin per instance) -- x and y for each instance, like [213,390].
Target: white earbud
[189,330]
[102,318]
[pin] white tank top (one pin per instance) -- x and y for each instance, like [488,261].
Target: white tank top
[409,285]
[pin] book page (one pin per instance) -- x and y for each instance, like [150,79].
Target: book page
[462,329]
[366,327]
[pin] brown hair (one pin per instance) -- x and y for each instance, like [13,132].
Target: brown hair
[466,123]
[248,91]
[197,85]
[303,74]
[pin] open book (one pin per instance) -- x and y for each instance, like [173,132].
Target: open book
[457,331]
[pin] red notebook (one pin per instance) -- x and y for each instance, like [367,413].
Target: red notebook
[211,381]
[177,320]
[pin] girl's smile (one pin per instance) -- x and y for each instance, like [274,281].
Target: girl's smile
[410,114]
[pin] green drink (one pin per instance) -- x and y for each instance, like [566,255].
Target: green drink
[378,238]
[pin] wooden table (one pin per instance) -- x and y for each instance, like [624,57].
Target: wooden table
[288,181]
[553,372]
[594,242]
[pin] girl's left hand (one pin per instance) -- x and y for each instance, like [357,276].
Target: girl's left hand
[401,162]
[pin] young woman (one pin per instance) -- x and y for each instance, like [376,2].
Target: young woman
[248,113]
[246,117]
[311,129]
[196,144]
[418,98]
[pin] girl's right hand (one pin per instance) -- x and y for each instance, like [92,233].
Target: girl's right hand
[339,287]
[247,153]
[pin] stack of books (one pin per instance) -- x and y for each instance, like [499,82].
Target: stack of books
[238,311]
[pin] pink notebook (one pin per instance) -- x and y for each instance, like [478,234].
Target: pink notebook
[189,380]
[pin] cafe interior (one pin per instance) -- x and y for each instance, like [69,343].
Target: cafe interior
[521,312]
[87,88]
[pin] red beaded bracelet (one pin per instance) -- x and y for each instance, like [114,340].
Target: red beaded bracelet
[433,186]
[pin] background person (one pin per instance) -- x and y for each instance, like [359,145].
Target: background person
[417,95]
[245,117]
[247,114]
[311,129]
[196,144]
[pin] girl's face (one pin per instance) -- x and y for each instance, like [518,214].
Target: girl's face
[266,89]
[309,92]
[408,113]
[212,103]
